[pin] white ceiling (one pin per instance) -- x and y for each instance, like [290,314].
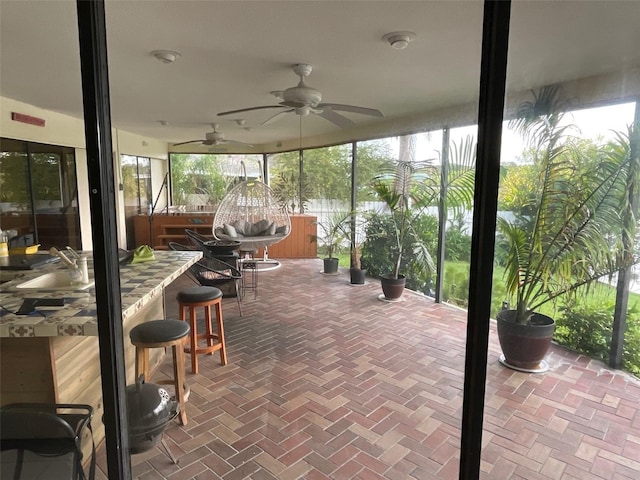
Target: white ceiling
[233,53]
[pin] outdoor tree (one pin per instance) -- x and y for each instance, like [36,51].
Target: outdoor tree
[192,173]
[517,189]
[327,171]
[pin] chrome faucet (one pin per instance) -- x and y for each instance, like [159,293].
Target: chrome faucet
[78,269]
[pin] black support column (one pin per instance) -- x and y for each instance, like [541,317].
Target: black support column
[354,199]
[442,215]
[493,71]
[619,327]
[97,124]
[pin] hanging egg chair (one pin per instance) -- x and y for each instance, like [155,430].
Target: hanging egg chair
[251,214]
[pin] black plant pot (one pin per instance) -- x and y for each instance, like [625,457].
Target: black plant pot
[357,276]
[525,346]
[330,265]
[392,288]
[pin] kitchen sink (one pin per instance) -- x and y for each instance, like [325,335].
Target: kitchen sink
[54,281]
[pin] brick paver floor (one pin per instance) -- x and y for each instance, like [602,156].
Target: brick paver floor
[325,381]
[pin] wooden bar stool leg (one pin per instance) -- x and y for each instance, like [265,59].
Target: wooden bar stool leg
[223,349]
[142,363]
[193,336]
[178,375]
[194,339]
[207,321]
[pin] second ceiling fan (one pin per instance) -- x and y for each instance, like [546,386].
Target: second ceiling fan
[214,138]
[303,100]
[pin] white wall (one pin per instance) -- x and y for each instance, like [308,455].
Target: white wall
[68,131]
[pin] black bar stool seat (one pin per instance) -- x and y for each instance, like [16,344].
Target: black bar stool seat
[159,331]
[161,334]
[199,294]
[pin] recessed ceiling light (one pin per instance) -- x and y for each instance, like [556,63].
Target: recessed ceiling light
[399,40]
[165,56]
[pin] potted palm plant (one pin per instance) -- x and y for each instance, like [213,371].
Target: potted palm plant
[333,236]
[357,274]
[407,190]
[354,231]
[569,241]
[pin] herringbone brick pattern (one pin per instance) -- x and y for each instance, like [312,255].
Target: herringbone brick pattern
[325,381]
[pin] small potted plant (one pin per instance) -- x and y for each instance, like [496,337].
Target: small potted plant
[400,191]
[407,190]
[355,232]
[333,236]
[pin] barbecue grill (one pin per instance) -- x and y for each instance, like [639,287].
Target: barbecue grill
[150,409]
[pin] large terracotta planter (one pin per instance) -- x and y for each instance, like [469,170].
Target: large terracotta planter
[392,288]
[525,346]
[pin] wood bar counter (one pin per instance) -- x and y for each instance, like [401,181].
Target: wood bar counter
[55,358]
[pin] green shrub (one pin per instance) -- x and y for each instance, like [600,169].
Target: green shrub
[457,241]
[457,246]
[455,289]
[381,240]
[587,327]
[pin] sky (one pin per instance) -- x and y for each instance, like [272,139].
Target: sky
[593,122]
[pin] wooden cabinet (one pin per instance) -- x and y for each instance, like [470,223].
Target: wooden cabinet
[170,228]
[298,244]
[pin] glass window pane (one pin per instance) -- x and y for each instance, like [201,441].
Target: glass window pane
[15,192]
[284,180]
[563,219]
[200,181]
[39,193]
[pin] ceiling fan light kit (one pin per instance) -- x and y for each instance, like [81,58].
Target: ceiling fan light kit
[399,40]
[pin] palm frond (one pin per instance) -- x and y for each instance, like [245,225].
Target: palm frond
[568,243]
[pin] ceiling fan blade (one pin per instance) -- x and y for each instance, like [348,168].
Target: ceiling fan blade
[273,118]
[184,143]
[351,108]
[233,112]
[336,118]
[234,142]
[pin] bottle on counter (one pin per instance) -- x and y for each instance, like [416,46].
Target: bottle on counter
[4,244]
[80,272]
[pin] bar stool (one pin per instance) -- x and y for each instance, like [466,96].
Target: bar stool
[205,297]
[160,334]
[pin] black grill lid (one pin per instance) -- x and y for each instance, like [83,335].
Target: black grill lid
[149,406]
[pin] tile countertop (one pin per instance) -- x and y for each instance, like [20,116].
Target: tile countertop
[139,284]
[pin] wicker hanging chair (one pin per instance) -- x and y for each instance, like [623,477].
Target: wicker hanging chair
[251,214]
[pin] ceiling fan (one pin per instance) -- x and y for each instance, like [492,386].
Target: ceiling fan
[303,100]
[214,138]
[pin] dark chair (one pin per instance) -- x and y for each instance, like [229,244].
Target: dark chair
[216,248]
[211,272]
[196,237]
[44,441]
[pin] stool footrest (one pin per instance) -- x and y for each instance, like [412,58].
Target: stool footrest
[211,349]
